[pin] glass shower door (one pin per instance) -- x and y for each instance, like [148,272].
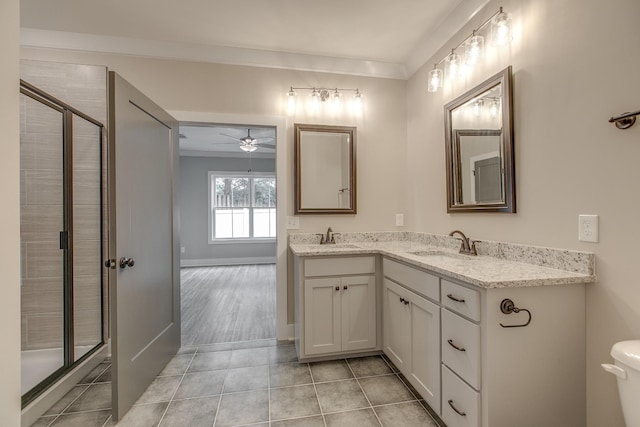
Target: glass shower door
[42,220]
[62,221]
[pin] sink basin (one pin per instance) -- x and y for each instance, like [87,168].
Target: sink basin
[442,254]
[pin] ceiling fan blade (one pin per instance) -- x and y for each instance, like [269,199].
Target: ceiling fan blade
[265,139]
[229,136]
[271,147]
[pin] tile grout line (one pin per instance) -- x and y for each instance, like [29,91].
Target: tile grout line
[269,389]
[179,383]
[315,389]
[418,398]
[87,386]
[363,392]
[215,418]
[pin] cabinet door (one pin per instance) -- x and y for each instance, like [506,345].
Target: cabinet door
[358,313]
[322,316]
[397,324]
[425,350]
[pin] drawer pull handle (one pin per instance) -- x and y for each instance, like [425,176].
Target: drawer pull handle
[455,346]
[462,414]
[451,297]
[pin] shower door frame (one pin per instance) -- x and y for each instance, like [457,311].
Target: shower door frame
[66,236]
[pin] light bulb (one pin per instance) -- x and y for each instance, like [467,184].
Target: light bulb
[315,99]
[501,29]
[477,107]
[357,102]
[474,49]
[336,99]
[435,79]
[494,107]
[453,65]
[291,101]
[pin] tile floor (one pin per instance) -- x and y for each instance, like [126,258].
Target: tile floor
[254,383]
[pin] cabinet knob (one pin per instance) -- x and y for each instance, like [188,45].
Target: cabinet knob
[337,288]
[401,299]
[345,287]
[127,262]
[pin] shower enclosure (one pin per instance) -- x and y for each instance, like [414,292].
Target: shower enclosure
[61,225]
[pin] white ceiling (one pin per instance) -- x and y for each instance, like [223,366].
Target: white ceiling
[223,140]
[388,38]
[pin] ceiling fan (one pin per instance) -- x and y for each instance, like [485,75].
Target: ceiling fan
[250,144]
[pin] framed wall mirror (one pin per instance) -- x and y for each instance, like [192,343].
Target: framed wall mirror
[479,148]
[325,169]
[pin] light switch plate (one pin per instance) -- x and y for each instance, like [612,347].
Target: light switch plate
[293,223]
[588,228]
[182,249]
[399,220]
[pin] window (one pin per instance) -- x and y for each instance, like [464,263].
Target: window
[242,206]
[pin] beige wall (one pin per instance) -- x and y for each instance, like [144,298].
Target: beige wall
[188,86]
[575,64]
[10,214]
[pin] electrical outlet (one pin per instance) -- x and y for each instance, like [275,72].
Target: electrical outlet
[399,220]
[293,223]
[588,228]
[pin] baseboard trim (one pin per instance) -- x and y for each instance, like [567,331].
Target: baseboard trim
[226,261]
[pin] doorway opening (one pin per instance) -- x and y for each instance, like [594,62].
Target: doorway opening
[227,198]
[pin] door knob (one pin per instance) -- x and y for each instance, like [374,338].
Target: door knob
[127,262]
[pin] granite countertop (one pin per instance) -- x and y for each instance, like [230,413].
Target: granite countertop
[482,270]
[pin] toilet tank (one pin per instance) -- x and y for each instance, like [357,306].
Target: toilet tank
[627,370]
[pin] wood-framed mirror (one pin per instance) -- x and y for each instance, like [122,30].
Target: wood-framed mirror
[325,169]
[480,148]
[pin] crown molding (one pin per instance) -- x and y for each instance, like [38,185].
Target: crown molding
[30,37]
[430,44]
[438,37]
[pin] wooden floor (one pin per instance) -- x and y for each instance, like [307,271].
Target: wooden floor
[228,303]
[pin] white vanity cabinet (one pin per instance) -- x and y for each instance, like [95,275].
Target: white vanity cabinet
[412,327]
[336,303]
[453,343]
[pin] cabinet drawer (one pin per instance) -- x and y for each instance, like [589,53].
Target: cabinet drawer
[465,335]
[339,266]
[462,300]
[419,281]
[460,403]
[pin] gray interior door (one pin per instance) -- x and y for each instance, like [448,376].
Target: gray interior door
[488,180]
[144,282]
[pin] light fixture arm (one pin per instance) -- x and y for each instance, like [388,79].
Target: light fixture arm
[473,33]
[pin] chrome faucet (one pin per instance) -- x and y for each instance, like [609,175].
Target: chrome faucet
[468,246]
[329,239]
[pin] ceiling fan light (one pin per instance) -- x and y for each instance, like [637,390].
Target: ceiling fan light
[248,148]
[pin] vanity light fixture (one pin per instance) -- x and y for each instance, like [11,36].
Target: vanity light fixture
[474,49]
[453,66]
[501,29]
[319,95]
[494,107]
[435,79]
[501,35]
[477,106]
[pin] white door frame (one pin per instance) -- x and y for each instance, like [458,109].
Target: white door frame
[284,331]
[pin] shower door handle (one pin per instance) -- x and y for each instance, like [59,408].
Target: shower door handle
[127,262]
